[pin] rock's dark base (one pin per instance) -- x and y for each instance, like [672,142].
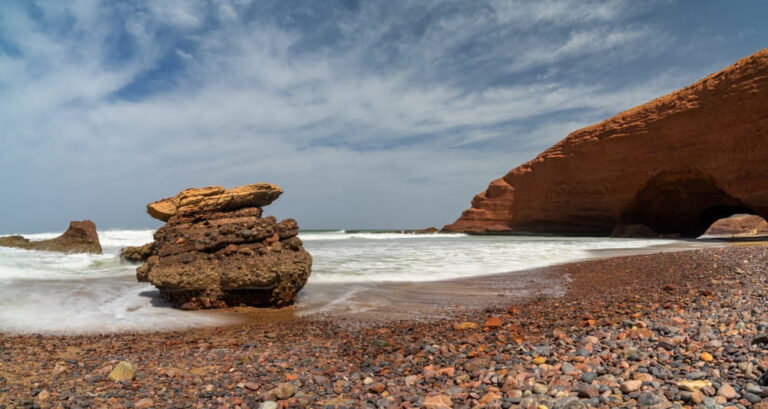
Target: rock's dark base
[198,300]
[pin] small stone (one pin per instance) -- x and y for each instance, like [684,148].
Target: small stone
[59,368]
[757,390]
[477,363]
[696,375]
[706,357]
[693,385]
[411,380]
[588,377]
[540,388]
[490,397]
[269,404]
[539,360]
[438,402]
[43,396]
[145,403]
[493,322]
[589,391]
[123,371]
[284,390]
[377,387]
[251,386]
[630,386]
[727,391]
[751,397]
[697,397]
[641,376]
[569,402]
[465,325]
[648,399]
[448,371]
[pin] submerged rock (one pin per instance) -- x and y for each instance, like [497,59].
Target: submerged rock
[675,164]
[80,237]
[217,251]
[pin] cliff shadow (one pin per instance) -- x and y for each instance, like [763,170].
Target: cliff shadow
[684,202]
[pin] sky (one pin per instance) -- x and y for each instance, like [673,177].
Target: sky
[369,114]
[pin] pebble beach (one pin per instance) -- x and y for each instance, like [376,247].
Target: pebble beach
[668,330]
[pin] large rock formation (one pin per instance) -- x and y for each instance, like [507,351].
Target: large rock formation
[216,250]
[675,165]
[80,237]
[740,225]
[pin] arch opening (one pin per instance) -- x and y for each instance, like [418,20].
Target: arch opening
[682,203]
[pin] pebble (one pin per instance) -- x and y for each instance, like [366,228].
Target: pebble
[284,390]
[123,371]
[145,403]
[630,386]
[726,390]
[693,385]
[438,402]
[269,404]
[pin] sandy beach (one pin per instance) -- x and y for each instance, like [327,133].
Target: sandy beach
[645,330]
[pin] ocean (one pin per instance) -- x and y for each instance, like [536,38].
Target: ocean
[46,292]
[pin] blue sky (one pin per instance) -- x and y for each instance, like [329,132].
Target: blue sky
[370,114]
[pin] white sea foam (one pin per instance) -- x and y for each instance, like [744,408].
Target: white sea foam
[413,257]
[53,292]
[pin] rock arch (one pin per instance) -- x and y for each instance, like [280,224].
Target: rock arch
[675,164]
[684,202]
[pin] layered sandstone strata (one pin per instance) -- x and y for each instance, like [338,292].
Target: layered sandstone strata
[216,250]
[674,165]
[80,237]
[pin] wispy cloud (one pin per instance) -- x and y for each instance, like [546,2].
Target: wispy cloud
[356,107]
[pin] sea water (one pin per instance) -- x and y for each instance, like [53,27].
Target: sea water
[49,292]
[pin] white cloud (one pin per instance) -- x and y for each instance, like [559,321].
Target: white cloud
[378,112]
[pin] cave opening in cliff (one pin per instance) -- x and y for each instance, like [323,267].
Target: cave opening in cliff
[682,203]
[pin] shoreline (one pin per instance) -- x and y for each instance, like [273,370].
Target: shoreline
[605,298]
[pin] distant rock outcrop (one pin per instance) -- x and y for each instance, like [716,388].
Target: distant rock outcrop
[216,250]
[739,225]
[674,165]
[80,237]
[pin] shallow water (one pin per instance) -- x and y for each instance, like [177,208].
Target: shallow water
[353,273]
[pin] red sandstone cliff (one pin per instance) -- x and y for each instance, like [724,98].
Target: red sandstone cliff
[675,164]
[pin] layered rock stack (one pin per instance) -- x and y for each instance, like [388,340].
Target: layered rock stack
[672,166]
[80,237]
[216,250]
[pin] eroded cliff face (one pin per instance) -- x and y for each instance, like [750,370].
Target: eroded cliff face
[675,164]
